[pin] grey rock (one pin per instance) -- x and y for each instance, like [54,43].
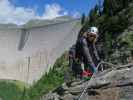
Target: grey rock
[126,93]
[67,97]
[77,89]
[50,96]
[64,86]
[76,83]
[130,28]
[115,84]
[131,20]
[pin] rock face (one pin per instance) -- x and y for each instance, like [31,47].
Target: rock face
[111,84]
[122,47]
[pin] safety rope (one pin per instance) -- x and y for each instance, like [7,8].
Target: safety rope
[86,87]
[113,66]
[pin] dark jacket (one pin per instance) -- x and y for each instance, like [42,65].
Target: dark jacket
[86,52]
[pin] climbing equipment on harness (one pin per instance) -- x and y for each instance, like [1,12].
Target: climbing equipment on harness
[86,74]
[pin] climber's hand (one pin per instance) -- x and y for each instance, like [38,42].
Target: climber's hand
[94,69]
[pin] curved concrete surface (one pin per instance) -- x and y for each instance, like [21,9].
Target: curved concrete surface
[43,45]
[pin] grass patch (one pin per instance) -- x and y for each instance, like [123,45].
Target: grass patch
[11,90]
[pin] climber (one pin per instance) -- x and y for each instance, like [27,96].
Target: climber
[83,57]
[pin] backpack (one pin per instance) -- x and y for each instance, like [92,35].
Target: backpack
[74,62]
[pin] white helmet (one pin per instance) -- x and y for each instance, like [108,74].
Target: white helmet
[93,30]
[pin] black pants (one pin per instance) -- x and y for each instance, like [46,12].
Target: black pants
[75,66]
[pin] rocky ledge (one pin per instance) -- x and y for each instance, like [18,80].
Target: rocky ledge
[110,84]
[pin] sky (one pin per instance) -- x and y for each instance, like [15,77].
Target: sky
[21,11]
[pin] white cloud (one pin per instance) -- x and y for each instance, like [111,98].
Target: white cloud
[52,11]
[20,15]
[76,14]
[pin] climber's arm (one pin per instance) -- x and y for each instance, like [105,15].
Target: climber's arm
[86,53]
[96,53]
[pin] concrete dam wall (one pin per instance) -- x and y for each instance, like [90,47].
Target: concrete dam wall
[27,54]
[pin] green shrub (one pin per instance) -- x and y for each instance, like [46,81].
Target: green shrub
[128,39]
[51,80]
[11,90]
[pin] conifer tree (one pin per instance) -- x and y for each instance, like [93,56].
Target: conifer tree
[83,18]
